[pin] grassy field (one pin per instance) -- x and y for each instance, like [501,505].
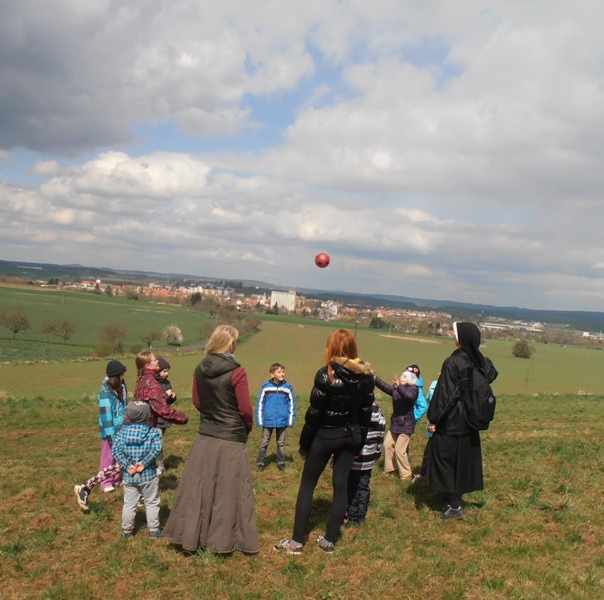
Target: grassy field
[90,313]
[552,370]
[298,343]
[537,530]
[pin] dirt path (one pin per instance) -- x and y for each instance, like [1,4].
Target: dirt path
[411,339]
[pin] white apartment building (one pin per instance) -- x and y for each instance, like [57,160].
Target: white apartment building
[286,300]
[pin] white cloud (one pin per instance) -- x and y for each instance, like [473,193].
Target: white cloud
[434,150]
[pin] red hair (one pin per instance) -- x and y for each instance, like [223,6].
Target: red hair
[340,343]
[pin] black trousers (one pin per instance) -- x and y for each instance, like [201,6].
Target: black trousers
[344,447]
[359,493]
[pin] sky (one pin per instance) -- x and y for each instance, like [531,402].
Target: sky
[434,149]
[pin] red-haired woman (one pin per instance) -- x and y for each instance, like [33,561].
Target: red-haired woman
[336,424]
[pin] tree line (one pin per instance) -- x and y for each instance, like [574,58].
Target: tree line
[113,335]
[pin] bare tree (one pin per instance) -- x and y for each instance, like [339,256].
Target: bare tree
[148,337]
[114,334]
[62,328]
[15,322]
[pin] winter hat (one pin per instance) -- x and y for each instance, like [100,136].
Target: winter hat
[411,377]
[114,368]
[162,363]
[413,369]
[138,412]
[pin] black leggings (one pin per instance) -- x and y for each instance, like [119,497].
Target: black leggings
[344,449]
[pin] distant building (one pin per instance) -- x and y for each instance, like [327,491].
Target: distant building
[286,300]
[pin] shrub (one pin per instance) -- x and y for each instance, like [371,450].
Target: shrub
[103,349]
[522,349]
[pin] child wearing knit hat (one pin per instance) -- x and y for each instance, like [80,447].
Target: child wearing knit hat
[112,402]
[404,392]
[170,396]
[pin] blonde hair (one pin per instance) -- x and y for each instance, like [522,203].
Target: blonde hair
[222,339]
[142,359]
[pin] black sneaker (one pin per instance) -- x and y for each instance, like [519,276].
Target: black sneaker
[281,467]
[81,493]
[452,513]
[260,468]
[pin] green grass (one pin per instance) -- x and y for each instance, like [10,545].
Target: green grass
[553,370]
[536,531]
[297,342]
[90,313]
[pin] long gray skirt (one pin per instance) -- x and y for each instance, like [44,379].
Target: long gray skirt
[214,504]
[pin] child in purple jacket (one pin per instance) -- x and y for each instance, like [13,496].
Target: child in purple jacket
[402,423]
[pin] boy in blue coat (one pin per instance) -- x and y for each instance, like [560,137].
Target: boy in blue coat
[276,409]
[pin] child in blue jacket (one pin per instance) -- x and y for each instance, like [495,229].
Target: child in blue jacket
[422,472]
[275,409]
[112,405]
[136,448]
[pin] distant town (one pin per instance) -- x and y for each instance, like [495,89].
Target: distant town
[216,296]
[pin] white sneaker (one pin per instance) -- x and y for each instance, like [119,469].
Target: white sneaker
[109,489]
[81,494]
[290,546]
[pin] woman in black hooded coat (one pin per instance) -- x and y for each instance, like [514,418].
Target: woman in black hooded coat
[455,460]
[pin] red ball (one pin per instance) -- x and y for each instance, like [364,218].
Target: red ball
[322,260]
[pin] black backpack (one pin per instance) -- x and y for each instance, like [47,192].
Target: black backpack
[479,403]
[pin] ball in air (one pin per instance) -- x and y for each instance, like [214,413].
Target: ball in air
[322,260]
